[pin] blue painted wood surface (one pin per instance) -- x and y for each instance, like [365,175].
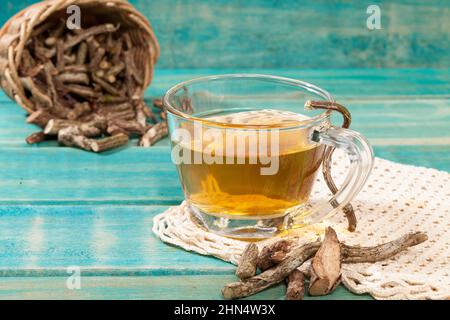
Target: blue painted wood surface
[396,119]
[102,239]
[191,287]
[61,206]
[293,34]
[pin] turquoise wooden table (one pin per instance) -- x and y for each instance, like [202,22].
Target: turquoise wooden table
[62,207]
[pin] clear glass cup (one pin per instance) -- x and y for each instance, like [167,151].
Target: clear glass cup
[246,168]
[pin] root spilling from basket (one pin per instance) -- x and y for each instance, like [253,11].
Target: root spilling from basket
[280,261]
[86,88]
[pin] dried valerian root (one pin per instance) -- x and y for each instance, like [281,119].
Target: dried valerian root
[39,118]
[109,142]
[154,134]
[272,275]
[325,267]
[273,254]
[87,129]
[325,271]
[247,265]
[74,76]
[74,136]
[295,283]
[356,254]
[157,103]
[36,137]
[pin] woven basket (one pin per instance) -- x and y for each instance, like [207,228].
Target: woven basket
[16,32]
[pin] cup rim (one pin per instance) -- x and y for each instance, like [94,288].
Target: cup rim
[302,84]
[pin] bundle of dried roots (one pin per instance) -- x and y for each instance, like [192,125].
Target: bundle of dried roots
[281,260]
[84,86]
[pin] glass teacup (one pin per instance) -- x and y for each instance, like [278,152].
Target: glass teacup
[247,152]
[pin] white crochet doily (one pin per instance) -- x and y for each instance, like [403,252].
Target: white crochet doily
[396,199]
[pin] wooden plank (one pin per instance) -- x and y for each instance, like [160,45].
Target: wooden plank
[118,257]
[101,239]
[391,84]
[311,34]
[70,176]
[293,34]
[113,243]
[314,34]
[375,118]
[437,157]
[144,176]
[205,287]
[43,240]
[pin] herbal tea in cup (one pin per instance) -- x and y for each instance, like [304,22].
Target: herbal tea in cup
[249,173]
[247,153]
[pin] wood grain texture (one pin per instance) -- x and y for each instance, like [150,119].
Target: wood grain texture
[376,118]
[61,207]
[133,175]
[102,239]
[413,103]
[144,177]
[364,85]
[190,287]
[354,83]
[293,34]
[299,34]
[401,125]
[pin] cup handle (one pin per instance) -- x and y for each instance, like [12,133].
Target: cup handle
[361,158]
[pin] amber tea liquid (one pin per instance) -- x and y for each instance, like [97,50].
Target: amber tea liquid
[239,189]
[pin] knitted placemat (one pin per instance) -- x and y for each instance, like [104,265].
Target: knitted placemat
[397,199]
